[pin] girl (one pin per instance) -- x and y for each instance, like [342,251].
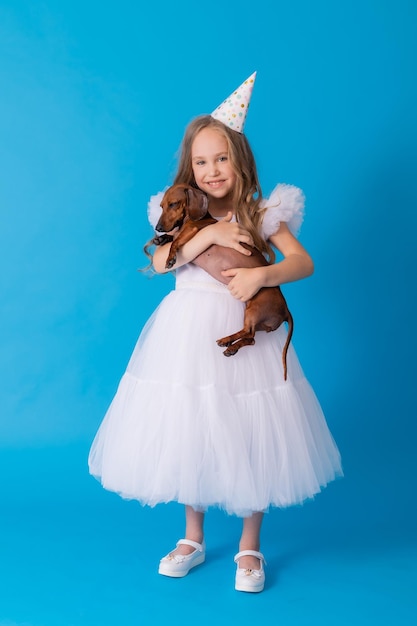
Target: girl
[188,424]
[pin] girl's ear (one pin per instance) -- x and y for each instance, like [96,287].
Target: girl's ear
[197,203]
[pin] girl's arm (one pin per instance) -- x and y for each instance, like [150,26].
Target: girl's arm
[295,265]
[223,233]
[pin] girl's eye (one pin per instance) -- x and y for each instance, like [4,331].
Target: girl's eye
[200,163]
[223,158]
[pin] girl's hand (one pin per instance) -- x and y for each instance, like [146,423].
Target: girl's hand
[231,234]
[245,282]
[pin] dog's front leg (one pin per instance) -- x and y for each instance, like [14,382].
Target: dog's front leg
[184,235]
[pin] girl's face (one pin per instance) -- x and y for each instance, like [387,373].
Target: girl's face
[212,169]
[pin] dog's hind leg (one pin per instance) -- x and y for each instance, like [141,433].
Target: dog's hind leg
[233,343]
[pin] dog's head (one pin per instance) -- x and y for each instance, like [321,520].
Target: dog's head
[180,203]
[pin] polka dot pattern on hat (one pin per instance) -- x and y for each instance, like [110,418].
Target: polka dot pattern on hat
[232,112]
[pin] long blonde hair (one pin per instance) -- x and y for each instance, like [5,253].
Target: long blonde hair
[247,195]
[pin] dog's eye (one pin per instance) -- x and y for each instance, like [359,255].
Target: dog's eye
[173,205]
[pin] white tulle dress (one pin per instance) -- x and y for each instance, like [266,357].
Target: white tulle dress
[188,424]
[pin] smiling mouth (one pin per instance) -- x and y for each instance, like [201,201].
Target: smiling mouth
[215,183]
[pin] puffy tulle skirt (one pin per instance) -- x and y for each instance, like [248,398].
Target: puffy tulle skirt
[188,424]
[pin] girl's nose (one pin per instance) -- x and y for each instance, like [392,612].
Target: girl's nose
[214,168]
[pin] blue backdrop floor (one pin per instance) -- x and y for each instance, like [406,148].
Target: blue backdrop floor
[73,554]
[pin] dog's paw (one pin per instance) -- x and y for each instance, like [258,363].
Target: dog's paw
[223,342]
[170,262]
[230,351]
[160,240]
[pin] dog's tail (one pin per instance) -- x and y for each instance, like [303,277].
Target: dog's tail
[290,323]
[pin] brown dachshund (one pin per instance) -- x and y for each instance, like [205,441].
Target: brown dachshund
[186,208]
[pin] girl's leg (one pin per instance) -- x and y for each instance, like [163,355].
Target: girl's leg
[250,540]
[194,521]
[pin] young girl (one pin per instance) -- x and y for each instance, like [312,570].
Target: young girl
[188,424]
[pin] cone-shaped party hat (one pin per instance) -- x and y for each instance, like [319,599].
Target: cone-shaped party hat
[232,112]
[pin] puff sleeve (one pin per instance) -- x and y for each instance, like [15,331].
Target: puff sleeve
[154,208]
[285,204]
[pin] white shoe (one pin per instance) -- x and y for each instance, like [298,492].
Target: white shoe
[251,580]
[178,565]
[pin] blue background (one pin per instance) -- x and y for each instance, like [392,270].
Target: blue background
[94,100]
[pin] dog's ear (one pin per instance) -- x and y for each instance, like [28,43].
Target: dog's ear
[197,203]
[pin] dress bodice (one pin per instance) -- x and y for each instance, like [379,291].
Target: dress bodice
[190,275]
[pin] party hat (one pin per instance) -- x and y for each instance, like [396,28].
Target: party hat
[232,112]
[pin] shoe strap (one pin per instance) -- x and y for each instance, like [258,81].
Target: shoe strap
[193,544]
[258,555]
